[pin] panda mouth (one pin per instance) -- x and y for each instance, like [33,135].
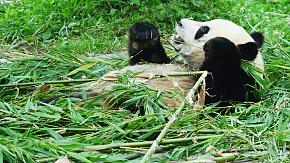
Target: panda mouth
[176,42]
[178,39]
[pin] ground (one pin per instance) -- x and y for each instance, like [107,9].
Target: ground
[55,41]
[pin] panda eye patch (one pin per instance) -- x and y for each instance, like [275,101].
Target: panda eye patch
[201,31]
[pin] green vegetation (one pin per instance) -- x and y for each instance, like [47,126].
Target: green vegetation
[48,40]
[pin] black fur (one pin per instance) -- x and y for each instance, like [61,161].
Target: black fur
[201,31]
[223,61]
[248,51]
[258,37]
[144,44]
[228,81]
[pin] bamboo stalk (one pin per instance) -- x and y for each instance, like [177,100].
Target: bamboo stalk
[89,80]
[173,118]
[195,87]
[48,82]
[226,158]
[58,129]
[162,134]
[46,160]
[191,73]
[145,143]
[203,131]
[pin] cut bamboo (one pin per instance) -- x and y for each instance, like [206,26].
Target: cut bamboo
[172,119]
[146,143]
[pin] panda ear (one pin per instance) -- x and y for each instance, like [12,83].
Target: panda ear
[248,50]
[258,37]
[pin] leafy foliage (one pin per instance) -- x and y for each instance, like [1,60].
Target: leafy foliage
[59,40]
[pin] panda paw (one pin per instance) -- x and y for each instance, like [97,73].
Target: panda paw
[143,31]
[219,47]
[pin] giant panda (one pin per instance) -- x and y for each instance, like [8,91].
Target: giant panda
[218,46]
[190,37]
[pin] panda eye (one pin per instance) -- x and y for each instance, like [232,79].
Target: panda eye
[201,31]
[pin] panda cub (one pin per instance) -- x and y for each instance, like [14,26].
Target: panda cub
[218,46]
[144,44]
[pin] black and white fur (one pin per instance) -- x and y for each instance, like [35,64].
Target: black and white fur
[218,47]
[144,44]
[191,36]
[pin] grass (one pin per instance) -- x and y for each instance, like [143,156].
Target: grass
[61,40]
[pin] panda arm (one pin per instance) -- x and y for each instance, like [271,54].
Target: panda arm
[222,60]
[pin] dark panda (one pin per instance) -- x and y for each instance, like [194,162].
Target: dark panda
[144,44]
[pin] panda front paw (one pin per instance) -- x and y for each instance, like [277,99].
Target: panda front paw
[219,47]
[142,31]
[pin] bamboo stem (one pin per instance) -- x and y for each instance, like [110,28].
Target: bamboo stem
[48,82]
[46,160]
[145,143]
[58,129]
[202,131]
[162,134]
[89,80]
[226,158]
[191,73]
[195,87]
[173,118]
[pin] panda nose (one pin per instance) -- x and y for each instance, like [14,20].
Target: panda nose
[179,23]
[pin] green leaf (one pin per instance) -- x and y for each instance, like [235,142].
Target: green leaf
[78,157]
[115,127]
[46,35]
[55,116]
[11,132]
[56,135]
[57,109]
[1,156]
[82,68]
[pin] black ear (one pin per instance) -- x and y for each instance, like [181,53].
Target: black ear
[258,37]
[248,50]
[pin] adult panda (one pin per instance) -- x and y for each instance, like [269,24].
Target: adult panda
[218,47]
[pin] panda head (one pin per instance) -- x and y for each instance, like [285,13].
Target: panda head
[191,36]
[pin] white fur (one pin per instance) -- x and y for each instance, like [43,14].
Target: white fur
[192,50]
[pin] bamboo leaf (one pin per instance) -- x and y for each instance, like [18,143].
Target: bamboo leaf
[54,108]
[54,134]
[78,157]
[82,68]
[115,127]
[1,156]
[11,132]
[55,116]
